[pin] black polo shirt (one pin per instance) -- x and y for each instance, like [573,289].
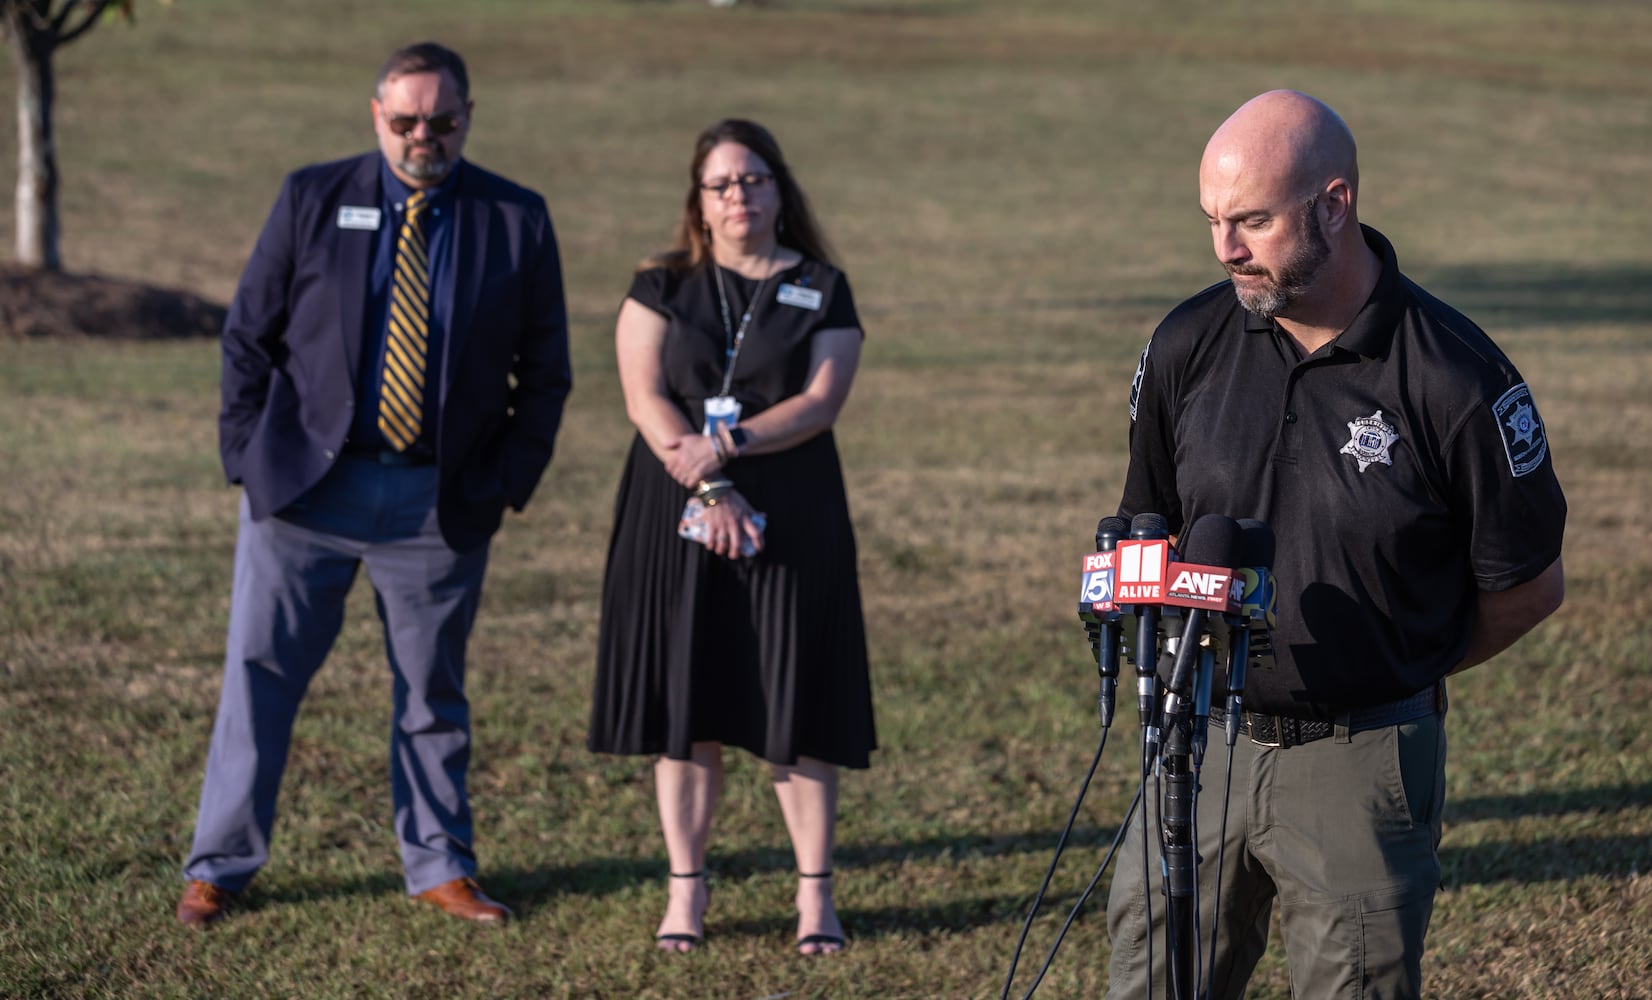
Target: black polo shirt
[1403,467]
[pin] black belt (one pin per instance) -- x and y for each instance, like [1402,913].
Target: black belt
[1284,731]
[385,456]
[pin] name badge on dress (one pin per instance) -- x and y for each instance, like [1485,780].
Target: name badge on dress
[358,217]
[721,411]
[797,295]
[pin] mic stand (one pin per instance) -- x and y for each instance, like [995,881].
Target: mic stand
[1142,643]
[1107,663]
[1147,682]
[1104,632]
[1238,660]
[1202,684]
[1180,855]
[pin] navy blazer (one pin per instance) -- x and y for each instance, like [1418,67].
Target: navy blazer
[293,338]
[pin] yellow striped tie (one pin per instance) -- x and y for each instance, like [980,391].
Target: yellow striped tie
[401,399]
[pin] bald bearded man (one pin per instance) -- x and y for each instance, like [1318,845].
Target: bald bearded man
[1400,459]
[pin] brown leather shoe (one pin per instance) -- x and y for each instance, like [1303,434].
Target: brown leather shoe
[203,904]
[464,899]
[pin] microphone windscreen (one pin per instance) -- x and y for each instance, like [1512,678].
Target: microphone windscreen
[1213,540]
[1112,525]
[1149,526]
[1257,544]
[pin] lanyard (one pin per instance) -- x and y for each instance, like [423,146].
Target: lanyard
[732,339]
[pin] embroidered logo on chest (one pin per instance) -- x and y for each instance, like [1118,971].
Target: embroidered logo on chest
[1524,442]
[1369,439]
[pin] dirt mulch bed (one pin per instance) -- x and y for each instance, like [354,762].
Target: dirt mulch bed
[47,304]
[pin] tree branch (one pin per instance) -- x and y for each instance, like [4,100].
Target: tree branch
[43,8]
[86,23]
[28,14]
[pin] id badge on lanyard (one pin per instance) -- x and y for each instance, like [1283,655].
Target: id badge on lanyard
[721,411]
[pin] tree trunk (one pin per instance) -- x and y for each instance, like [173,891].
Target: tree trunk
[37,224]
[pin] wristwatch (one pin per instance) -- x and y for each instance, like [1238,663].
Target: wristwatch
[738,436]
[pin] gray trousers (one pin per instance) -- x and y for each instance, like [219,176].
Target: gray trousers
[1342,831]
[292,574]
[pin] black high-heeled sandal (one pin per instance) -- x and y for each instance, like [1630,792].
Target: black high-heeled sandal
[692,940]
[819,939]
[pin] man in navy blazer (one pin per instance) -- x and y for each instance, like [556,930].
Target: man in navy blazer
[395,365]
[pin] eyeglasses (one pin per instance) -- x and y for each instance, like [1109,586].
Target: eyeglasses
[443,124]
[746,182]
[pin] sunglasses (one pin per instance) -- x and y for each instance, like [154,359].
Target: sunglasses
[439,125]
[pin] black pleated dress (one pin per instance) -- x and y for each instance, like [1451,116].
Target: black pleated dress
[766,653]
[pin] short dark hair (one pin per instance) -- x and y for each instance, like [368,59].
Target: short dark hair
[425,57]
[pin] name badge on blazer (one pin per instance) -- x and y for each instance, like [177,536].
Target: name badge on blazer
[358,217]
[797,295]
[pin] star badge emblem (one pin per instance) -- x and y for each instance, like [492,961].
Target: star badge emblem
[1369,439]
[1522,424]
[1524,441]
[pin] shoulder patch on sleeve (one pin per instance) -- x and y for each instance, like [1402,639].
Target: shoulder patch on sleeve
[1524,441]
[1135,383]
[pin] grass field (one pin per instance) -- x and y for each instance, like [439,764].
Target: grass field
[1012,188]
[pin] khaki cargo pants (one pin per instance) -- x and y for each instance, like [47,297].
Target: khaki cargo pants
[1342,831]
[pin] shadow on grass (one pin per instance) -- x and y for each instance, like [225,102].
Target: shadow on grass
[1550,859]
[1501,295]
[1544,294]
[530,889]
[1021,305]
[1559,859]
[960,915]
[308,889]
[974,306]
[1606,798]
[527,891]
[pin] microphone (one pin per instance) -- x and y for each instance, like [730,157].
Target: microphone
[1108,532]
[1141,568]
[1256,611]
[1101,615]
[1203,583]
[1203,680]
[1256,551]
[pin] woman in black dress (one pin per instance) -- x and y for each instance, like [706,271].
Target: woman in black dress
[750,634]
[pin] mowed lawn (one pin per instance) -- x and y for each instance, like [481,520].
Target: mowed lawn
[1012,189]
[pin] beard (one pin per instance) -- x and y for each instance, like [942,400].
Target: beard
[432,167]
[1294,276]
